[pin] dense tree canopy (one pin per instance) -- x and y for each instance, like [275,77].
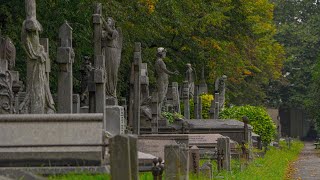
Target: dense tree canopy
[232,37]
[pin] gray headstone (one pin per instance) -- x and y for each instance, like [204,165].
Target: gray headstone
[224,147]
[134,165]
[115,122]
[120,158]
[206,170]
[194,162]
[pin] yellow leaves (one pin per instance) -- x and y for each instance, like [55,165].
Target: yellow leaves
[150,4]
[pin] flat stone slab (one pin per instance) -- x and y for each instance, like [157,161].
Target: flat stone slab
[8,174]
[206,140]
[216,124]
[57,170]
[154,144]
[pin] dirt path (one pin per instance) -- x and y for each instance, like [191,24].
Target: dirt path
[307,167]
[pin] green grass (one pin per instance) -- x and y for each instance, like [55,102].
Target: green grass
[272,167]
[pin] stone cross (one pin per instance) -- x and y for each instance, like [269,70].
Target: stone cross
[99,63]
[135,90]
[185,96]
[65,58]
[223,147]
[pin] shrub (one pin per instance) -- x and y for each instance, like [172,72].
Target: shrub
[172,116]
[258,118]
[206,104]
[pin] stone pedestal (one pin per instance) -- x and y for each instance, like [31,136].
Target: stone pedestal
[114,120]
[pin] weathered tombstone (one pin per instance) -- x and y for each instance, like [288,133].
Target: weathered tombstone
[175,97]
[185,96]
[133,140]
[194,159]
[245,128]
[172,169]
[177,162]
[216,106]
[224,148]
[184,161]
[75,103]
[135,90]
[200,108]
[120,158]
[99,64]
[203,88]
[206,170]
[65,58]
[38,99]
[196,103]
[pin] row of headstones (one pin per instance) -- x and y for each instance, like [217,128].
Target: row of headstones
[179,159]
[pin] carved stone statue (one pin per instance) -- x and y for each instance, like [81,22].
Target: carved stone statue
[85,77]
[38,99]
[220,87]
[6,94]
[112,46]
[190,78]
[162,75]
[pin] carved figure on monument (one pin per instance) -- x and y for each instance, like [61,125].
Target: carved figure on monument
[162,74]
[146,112]
[85,71]
[38,99]
[220,87]
[7,53]
[6,94]
[112,46]
[190,78]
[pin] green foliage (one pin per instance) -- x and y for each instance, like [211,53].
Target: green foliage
[171,117]
[206,104]
[232,37]
[258,118]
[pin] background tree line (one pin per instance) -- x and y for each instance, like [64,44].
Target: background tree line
[231,37]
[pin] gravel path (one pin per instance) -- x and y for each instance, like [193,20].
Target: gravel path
[307,167]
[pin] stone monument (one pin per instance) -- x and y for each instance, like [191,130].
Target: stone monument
[220,87]
[162,76]
[107,51]
[190,77]
[65,58]
[85,71]
[38,98]
[7,62]
[112,46]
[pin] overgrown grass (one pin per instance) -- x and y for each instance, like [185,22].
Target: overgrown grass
[272,166]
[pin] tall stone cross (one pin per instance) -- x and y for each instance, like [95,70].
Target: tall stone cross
[99,64]
[135,88]
[65,57]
